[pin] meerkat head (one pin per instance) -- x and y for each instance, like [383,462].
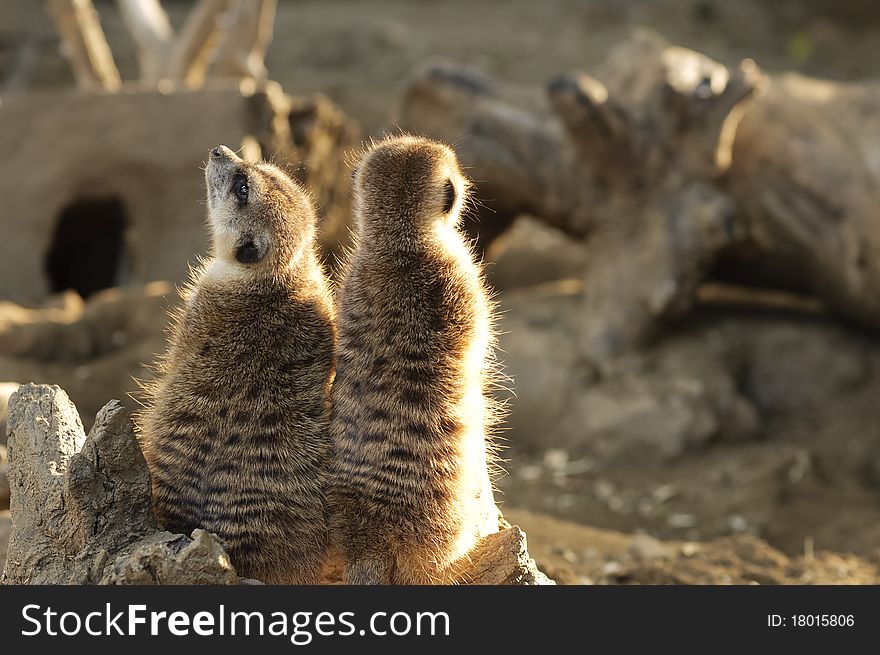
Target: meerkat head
[405,185]
[260,219]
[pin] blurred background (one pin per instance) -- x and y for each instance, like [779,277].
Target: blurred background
[677,203]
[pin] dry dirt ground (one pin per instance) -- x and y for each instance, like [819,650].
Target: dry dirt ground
[790,495]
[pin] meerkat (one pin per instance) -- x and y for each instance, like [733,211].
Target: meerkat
[412,490]
[235,428]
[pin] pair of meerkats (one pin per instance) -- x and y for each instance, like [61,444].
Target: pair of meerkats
[248,434]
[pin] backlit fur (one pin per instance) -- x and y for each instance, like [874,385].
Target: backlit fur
[411,403]
[235,426]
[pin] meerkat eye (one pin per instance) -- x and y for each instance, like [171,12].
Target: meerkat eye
[448,196]
[241,189]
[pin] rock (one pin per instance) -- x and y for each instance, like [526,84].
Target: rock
[679,396]
[94,350]
[633,414]
[531,253]
[81,331]
[645,547]
[81,506]
[537,328]
[776,375]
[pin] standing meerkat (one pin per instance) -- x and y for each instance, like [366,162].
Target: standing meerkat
[235,428]
[411,410]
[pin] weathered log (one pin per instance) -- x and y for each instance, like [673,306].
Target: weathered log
[85,44]
[148,24]
[5,526]
[224,38]
[81,508]
[629,161]
[501,558]
[165,558]
[82,511]
[672,167]
[190,54]
[6,390]
[806,177]
[245,32]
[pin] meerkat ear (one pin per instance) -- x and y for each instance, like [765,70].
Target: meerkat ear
[448,196]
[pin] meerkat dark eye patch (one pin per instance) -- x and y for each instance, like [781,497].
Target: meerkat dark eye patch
[248,253]
[240,187]
[448,196]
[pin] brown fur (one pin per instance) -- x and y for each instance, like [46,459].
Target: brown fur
[411,408]
[235,427]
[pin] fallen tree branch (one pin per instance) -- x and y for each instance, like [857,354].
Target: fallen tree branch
[628,158]
[245,31]
[228,38]
[671,167]
[148,23]
[85,44]
[190,53]
[805,176]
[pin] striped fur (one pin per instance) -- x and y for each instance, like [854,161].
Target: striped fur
[411,409]
[235,426]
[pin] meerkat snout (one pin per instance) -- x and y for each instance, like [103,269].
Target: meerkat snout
[224,174]
[259,218]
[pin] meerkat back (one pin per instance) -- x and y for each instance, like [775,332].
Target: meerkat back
[411,410]
[235,427]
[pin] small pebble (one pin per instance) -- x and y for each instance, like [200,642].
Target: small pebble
[682,521]
[737,523]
